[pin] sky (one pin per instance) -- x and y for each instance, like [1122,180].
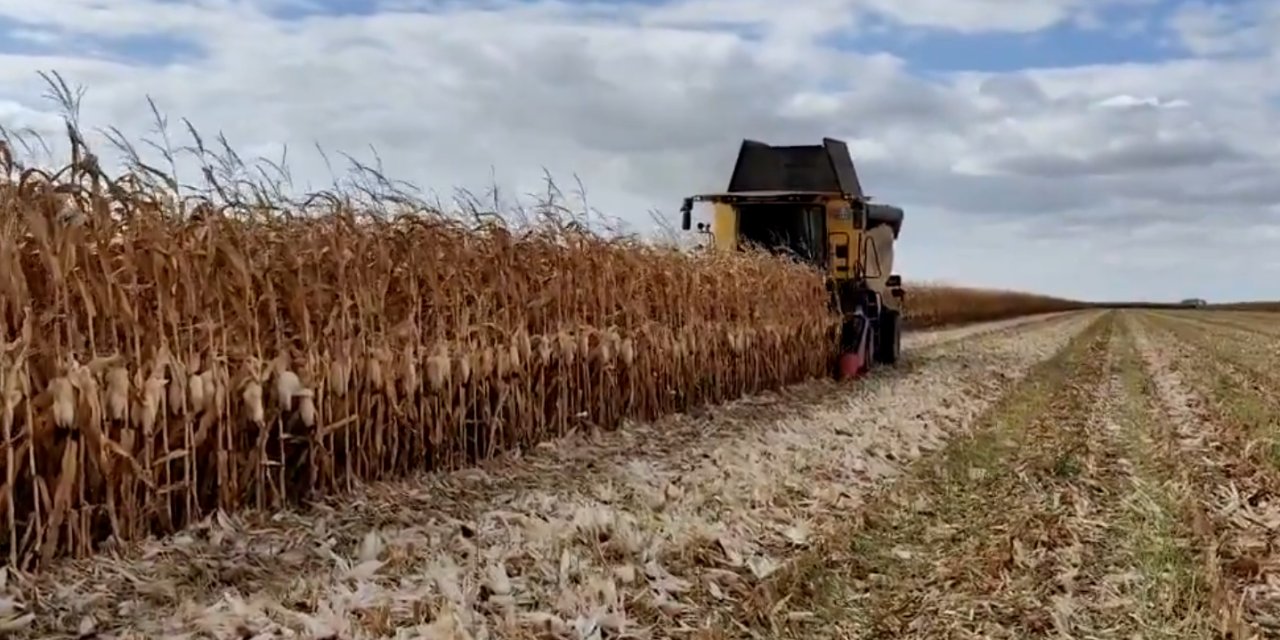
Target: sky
[1097,149]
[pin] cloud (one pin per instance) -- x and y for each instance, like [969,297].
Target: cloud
[1216,28]
[1100,181]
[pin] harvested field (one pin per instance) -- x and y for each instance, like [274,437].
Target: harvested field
[1262,306]
[1123,488]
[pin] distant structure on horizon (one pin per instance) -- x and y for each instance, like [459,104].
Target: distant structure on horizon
[1194,302]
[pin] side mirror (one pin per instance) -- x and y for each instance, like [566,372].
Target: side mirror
[894,280]
[896,292]
[686,214]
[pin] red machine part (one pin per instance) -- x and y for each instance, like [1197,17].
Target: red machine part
[855,363]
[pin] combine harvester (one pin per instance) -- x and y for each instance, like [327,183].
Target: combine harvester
[806,201]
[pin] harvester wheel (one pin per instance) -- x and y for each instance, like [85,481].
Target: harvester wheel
[889,338]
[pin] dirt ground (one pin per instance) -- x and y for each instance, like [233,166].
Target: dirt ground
[1083,475]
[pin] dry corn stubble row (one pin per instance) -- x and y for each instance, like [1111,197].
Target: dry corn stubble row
[156,369]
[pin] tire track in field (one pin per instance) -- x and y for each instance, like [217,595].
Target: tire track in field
[1169,590]
[1257,347]
[922,339]
[1236,358]
[644,531]
[1226,443]
[1053,519]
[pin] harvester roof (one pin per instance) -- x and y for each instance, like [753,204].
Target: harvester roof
[814,168]
[798,173]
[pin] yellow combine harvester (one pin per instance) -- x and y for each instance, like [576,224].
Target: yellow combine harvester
[806,201]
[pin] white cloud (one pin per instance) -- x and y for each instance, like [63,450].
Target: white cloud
[1129,181]
[1124,101]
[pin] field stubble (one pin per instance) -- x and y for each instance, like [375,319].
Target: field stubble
[1124,488]
[1216,384]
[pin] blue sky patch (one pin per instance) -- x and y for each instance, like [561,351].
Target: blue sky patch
[1124,35]
[300,9]
[28,39]
[153,49]
[156,49]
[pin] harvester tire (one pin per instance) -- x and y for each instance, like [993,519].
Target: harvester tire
[889,338]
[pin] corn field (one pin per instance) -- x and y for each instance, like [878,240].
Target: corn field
[932,305]
[158,367]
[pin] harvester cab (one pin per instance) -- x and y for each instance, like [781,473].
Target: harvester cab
[806,201]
